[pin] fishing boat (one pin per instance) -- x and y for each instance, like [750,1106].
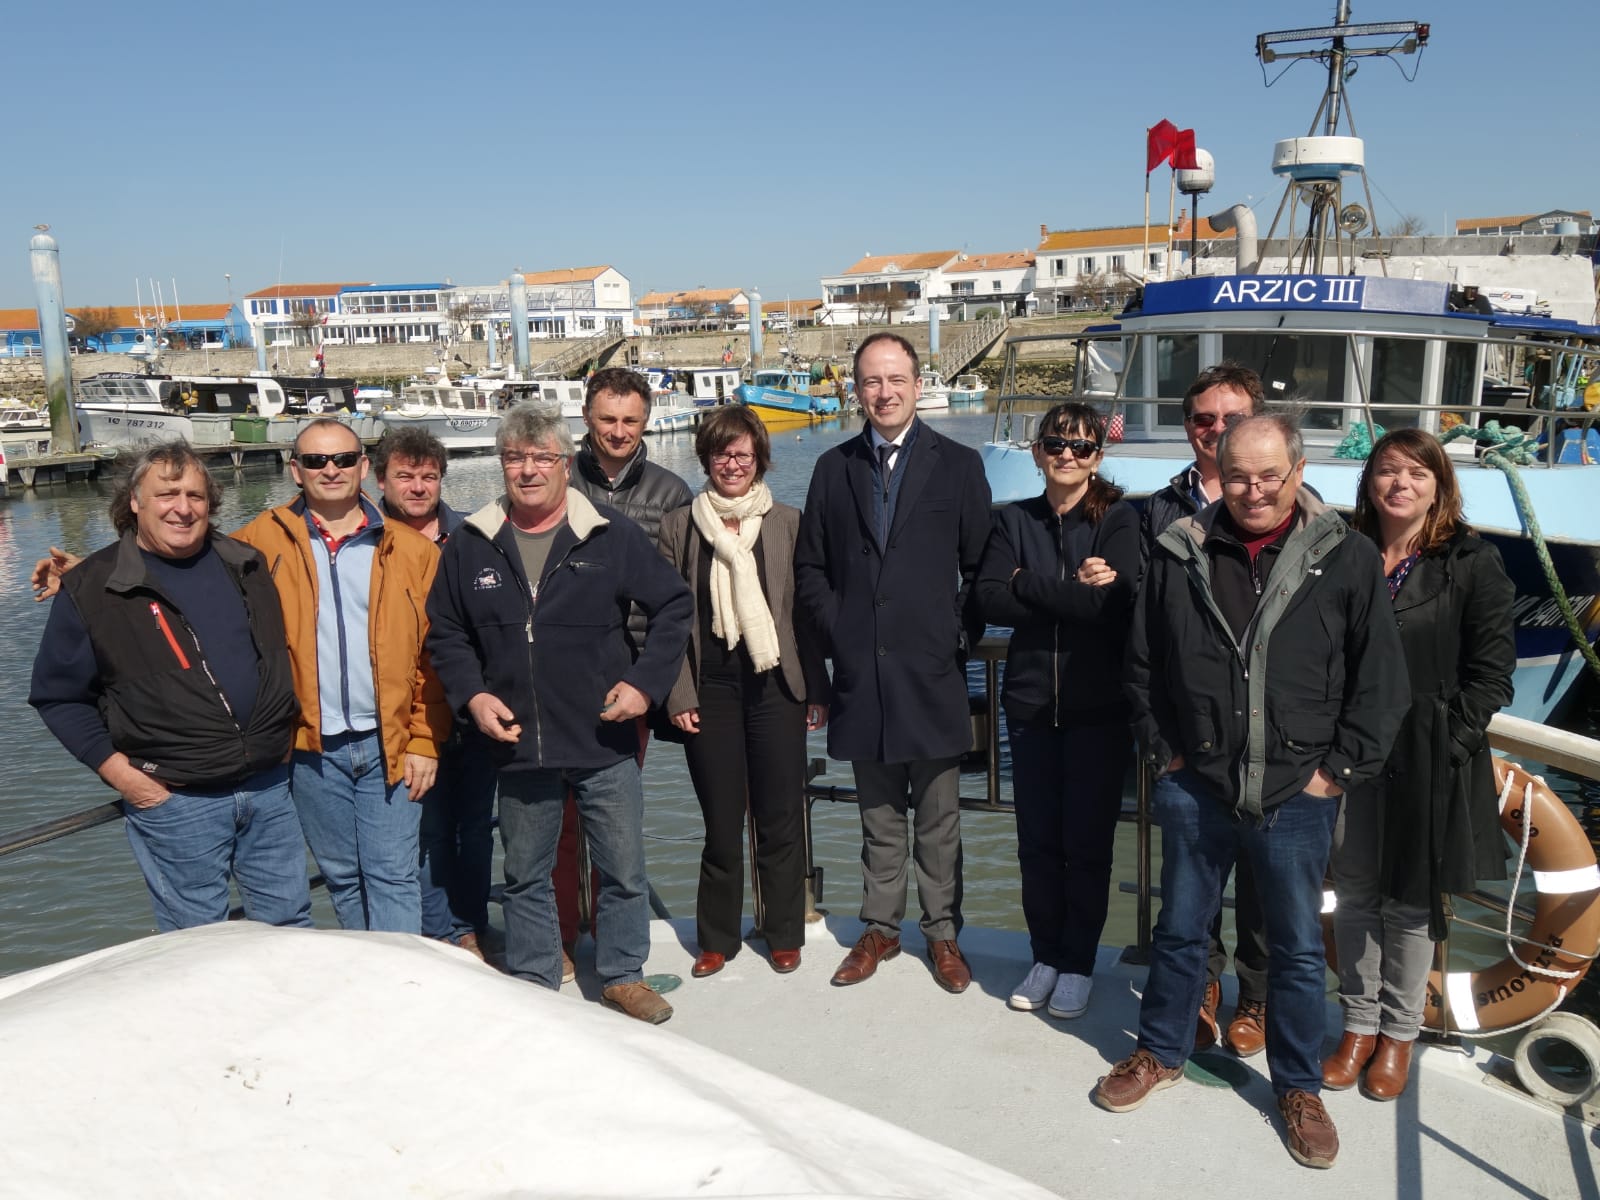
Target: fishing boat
[17,417]
[968,389]
[782,397]
[1354,350]
[126,408]
[935,394]
[464,415]
[567,395]
[708,385]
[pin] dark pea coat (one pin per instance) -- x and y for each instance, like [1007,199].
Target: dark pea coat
[1441,829]
[897,618]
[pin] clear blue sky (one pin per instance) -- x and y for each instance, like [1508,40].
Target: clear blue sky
[715,143]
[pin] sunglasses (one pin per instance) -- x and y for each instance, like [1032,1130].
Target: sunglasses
[1207,420]
[1080,447]
[344,460]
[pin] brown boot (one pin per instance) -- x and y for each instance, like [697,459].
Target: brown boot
[1313,1141]
[1206,1029]
[1389,1069]
[1247,1032]
[1343,1067]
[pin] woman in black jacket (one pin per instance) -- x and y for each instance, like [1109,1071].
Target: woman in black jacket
[1430,823]
[1061,569]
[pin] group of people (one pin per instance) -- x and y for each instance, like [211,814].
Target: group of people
[373,674]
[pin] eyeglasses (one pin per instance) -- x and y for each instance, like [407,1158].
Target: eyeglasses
[344,460]
[723,458]
[1080,447]
[542,460]
[1207,420]
[1267,485]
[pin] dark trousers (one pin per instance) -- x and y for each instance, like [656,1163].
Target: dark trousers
[1067,785]
[1250,930]
[750,750]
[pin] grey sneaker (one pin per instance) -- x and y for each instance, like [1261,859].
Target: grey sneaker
[1033,991]
[638,1001]
[1070,998]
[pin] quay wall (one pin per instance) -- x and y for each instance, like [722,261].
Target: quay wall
[391,365]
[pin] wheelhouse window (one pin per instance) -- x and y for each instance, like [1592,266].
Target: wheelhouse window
[1397,378]
[1177,363]
[1306,371]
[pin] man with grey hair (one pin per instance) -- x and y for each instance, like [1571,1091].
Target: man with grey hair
[528,631]
[1266,677]
[164,669]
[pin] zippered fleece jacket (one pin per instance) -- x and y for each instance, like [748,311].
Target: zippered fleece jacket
[551,649]
[1317,680]
[147,676]
[412,715]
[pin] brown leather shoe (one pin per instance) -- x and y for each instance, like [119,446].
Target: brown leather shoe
[469,942]
[950,970]
[638,1000]
[1313,1141]
[784,961]
[1247,1032]
[709,963]
[1206,1029]
[569,969]
[1343,1067]
[1132,1080]
[870,949]
[1389,1069]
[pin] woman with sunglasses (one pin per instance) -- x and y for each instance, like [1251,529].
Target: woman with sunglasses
[1430,823]
[752,683]
[1061,569]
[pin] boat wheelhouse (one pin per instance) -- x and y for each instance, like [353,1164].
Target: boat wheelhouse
[124,408]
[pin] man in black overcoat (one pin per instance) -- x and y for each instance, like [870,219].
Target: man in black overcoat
[893,531]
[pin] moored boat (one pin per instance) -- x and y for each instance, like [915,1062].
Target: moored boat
[17,417]
[782,396]
[463,415]
[1354,352]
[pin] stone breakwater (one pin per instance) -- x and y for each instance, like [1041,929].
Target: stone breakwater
[1043,368]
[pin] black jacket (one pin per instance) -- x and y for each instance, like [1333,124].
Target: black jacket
[1164,507]
[1441,828]
[1318,682]
[644,492]
[898,618]
[155,695]
[1064,664]
[552,656]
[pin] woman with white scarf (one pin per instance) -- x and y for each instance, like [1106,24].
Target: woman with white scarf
[752,683]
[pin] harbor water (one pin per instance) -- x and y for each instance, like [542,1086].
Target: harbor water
[83,892]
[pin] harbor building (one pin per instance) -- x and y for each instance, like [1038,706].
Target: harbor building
[695,310]
[885,289]
[989,284]
[289,314]
[1080,269]
[566,302]
[790,314]
[118,329]
[1527,224]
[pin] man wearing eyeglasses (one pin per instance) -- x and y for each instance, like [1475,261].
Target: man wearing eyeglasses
[1266,677]
[891,538]
[372,714]
[529,635]
[1219,397]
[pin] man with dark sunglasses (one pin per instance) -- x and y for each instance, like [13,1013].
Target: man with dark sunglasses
[372,713]
[1219,397]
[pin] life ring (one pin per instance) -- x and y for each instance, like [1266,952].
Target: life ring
[1537,974]
[1542,969]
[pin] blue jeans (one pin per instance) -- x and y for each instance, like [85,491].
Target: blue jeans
[1288,851]
[188,845]
[611,805]
[362,832]
[457,840]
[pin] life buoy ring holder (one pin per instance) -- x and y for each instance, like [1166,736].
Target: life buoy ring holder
[1524,988]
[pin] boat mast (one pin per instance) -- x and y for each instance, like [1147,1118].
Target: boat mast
[1315,165]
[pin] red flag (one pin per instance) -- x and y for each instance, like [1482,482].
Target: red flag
[1183,157]
[1159,143]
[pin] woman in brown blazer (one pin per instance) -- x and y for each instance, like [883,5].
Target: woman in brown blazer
[750,687]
